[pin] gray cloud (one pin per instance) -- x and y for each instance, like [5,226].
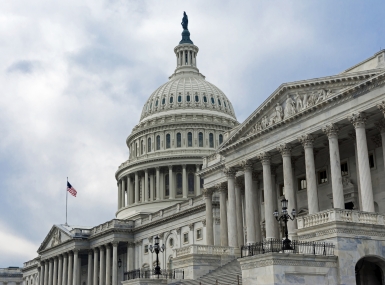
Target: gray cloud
[23,66]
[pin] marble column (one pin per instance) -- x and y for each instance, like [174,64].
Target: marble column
[184,58]
[119,195]
[352,135]
[151,186]
[311,181]
[189,57]
[114,263]
[197,181]
[123,193]
[171,183]
[54,275]
[358,121]
[96,266]
[257,205]
[50,271]
[232,215]
[335,166]
[65,269]
[76,269]
[184,181]
[40,270]
[70,268]
[269,193]
[130,194]
[146,192]
[130,256]
[223,214]
[108,264]
[288,183]
[157,183]
[89,268]
[250,207]
[238,208]
[60,270]
[43,274]
[102,269]
[136,188]
[208,194]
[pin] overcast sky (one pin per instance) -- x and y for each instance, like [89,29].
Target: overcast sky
[75,74]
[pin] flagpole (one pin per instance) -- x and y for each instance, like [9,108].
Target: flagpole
[66,201]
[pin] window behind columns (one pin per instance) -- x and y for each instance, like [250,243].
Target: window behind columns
[189,139]
[211,139]
[178,140]
[142,147]
[158,142]
[179,183]
[166,185]
[200,139]
[168,141]
[220,139]
[191,180]
[302,183]
[149,145]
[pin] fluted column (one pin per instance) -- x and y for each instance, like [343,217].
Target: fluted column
[42,274]
[223,214]
[114,263]
[171,183]
[257,207]
[136,188]
[65,269]
[197,181]
[288,183]
[311,182]
[358,121]
[250,207]
[89,268]
[157,183]
[232,215]
[108,264]
[76,269]
[208,194]
[119,195]
[335,166]
[60,270]
[238,209]
[130,256]
[184,181]
[54,275]
[70,268]
[50,271]
[123,192]
[96,266]
[130,193]
[152,186]
[270,222]
[102,269]
[146,196]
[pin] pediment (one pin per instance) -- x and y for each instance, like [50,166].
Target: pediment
[56,236]
[292,99]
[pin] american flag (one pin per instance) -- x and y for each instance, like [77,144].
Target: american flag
[71,189]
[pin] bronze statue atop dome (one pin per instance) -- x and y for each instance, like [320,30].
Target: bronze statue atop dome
[184,21]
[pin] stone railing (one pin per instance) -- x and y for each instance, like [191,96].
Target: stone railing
[31,263]
[122,224]
[341,215]
[204,249]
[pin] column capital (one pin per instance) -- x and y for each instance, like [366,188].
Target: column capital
[75,250]
[146,170]
[246,165]
[306,140]
[170,167]
[229,172]
[115,243]
[358,119]
[265,158]
[198,166]
[284,149]
[381,106]
[184,166]
[90,252]
[207,192]
[157,168]
[204,222]
[191,226]
[130,244]
[331,130]
[221,187]
[380,125]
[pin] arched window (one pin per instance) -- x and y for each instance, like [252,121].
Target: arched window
[171,99]
[205,99]
[220,139]
[190,183]
[166,185]
[142,147]
[178,140]
[168,141]
[188,98]
[151,106]
[149,145]
[200,139]
[163,101]
[196,98]
[179,99]
[157,142]
[212,101]
[211,140]
[224,102]
[136,150]
[189,139]
[179,183]
[156,103]
[219,102]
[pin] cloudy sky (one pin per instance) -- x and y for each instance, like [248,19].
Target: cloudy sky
[75,74]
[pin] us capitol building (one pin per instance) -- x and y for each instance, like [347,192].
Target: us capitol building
[207,186]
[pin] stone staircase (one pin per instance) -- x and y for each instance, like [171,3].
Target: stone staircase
[223,275]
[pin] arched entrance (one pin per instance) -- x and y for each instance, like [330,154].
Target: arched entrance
[370,271]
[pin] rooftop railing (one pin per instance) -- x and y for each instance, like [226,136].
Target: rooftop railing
[150,274]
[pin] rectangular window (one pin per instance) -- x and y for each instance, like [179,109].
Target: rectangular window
[302,183]
[146,249]
[344,169]
[322,177]
[371,160]
[185,238]
[199,234]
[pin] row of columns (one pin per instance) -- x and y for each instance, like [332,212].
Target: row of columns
[231,223]
[65,269]
[181,58]
[131,186]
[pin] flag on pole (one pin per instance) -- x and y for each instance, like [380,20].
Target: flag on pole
[71,189]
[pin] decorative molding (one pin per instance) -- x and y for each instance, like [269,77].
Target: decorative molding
[229,172]
[381,106]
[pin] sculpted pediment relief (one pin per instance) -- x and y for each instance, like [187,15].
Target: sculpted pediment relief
[55,237]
